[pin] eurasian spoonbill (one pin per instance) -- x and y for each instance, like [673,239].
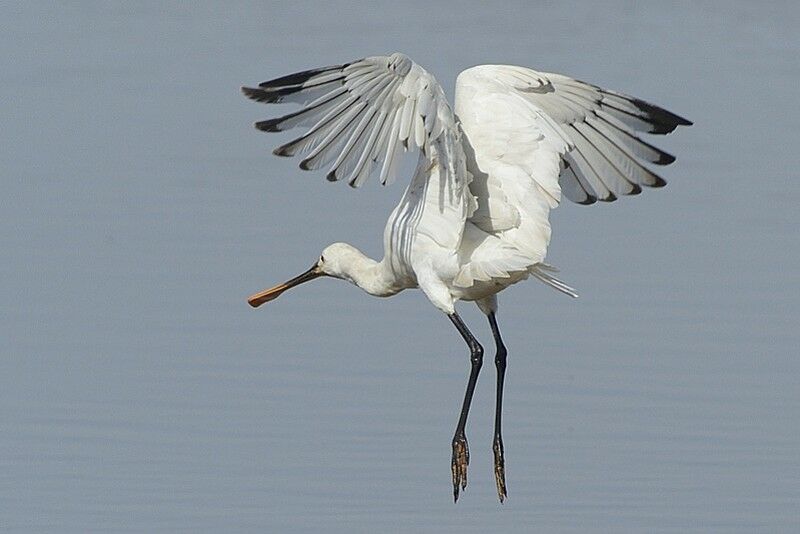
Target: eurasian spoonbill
[474,218]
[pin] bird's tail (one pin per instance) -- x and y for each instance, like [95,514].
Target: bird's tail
[542,271]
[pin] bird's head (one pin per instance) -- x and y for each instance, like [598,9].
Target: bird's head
[335,261]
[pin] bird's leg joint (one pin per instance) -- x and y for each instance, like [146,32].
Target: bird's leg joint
[476,355]
[500,357]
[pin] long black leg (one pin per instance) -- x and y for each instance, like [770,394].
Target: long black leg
[497,445]
[460,459]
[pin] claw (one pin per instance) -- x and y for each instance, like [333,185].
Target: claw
[499,468]
[459,464]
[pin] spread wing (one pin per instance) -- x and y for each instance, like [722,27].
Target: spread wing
[359,116]
[608,159]
[531,136]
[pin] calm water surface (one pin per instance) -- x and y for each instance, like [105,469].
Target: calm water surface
[140,393]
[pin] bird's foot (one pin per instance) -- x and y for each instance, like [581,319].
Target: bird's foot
[499,468]
[459,464]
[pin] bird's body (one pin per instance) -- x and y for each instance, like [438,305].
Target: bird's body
[474,218]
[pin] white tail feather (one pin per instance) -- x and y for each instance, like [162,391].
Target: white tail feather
[540,271]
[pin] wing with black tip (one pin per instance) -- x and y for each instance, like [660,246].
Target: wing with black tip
[359,116]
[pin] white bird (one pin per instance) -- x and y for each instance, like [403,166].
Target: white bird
[474,219]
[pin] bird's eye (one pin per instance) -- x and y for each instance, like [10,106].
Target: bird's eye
[322,259]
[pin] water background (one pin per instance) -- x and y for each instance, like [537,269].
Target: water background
[138,391]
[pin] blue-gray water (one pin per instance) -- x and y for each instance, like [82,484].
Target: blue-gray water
[139,208]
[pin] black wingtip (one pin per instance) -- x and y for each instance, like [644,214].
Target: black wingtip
[298,78]
[682,121]
[660,182]
[283,151]
[661,120]
[664,121]
[664,158]
[270,125]
[249,92]
[260,95]
[331,176]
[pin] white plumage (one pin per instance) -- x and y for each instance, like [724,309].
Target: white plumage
[474,218]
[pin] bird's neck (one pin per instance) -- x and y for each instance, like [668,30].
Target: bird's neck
[374,277]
